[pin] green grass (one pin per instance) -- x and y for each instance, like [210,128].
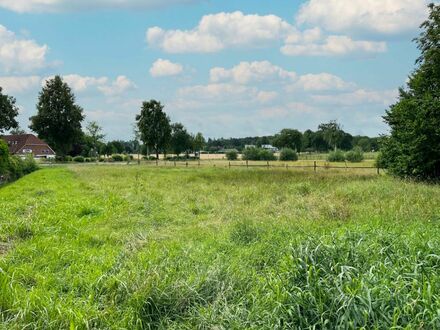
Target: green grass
[127,247]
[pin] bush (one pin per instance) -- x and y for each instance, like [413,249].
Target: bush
[267,155]
[79,159]
[258,154]
[151,158]
[287,154]
[355,156]
[232,154]
[336,156]
[29,165]
[117,158]
[101,159]
[128,158]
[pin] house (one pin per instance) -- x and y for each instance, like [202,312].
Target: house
[269,147]
[28,144]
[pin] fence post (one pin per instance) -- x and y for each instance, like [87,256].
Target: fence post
[175,164]
[157,162]
[287,166]
[378,170]
[199,162]
[186,164]
[247,164]
[268,165]
[229,164]
[314,165]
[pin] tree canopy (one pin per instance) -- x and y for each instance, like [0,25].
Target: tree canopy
[288,138]
[413,147]
[58,119]
[154,126]
[181,140]
[8,112]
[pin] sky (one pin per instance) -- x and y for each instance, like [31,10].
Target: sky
[224,68]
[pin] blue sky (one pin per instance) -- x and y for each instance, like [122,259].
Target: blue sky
[225,68]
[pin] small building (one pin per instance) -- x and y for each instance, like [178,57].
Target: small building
[249,146]
[269,147]
[28,144]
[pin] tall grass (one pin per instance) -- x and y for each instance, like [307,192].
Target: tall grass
[146,248]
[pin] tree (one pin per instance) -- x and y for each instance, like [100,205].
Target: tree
[199,142]
[332,133]
[413,147]
[94,135]
[17,131]
[180,139]
[154,126]
[288,138]
[58,119]
[8,112]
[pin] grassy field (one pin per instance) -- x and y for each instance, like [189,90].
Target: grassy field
[128,247]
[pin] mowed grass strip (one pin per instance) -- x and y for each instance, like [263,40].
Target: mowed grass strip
[137,247]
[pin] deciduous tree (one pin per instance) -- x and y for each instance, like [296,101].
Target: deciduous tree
[154,126]
[58,119]
[413,147]
[8,112]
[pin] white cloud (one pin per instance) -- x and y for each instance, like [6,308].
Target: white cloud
[117,87]
[162,68]
[81,83]
[320,82]
[20,55]
[266,96]
[218,31]
[358,97]
[23,6]
[13,84]
[216,92]
[333,46]
[246,72]
[376,16]
[104,85]
[289,109]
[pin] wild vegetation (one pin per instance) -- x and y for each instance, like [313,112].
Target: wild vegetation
[139,248]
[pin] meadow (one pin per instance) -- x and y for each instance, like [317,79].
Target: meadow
[138,247]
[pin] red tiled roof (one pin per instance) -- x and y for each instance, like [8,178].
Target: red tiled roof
[17,143]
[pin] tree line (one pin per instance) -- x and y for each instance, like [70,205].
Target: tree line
[321,140]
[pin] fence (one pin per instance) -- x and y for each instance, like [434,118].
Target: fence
[231,164]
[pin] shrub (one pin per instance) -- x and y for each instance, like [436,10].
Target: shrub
[117,158]
[288,154]
[79,159]
[251,154]
[152,158]
[355,156]
[4,157]
[232,154]
[68,158]
[267,155]
[101,159]
[29,165]
[128,158]
[258,154]
[336,156]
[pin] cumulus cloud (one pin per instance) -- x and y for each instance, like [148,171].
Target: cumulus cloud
[104,85]
[258,72]
[13,84]
[246,72]
[26,6]
[118,86]
[371,16]
[358,97]
[219,31]
[320,82]
[216,92]
[333,46]
[162,68]
[20,55]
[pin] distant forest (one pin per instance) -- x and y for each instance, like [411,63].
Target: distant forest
[310,142]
